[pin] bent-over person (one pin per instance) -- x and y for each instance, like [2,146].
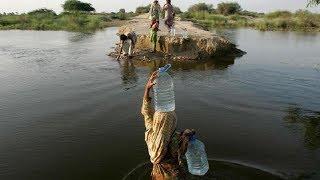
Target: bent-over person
[127,43]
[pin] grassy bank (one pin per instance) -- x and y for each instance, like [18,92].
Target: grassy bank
[279,20]
[69,21]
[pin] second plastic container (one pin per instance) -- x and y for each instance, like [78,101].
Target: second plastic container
[197,157]
[164,99]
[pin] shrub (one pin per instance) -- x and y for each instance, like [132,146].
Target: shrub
[177,10]
[186,15]
[201,7]
[122,11]
[143,9]
[42,11]
[313,2]
[228,8]
[279,14]
[75,5]
[250,13]
[200,15]
[119,15]
[236,17]
[283,24]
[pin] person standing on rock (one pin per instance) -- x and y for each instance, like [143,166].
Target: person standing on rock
[169,16]
[154,13]
[154,16]
[127,43]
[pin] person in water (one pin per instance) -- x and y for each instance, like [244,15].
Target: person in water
[166,146]
[127,43]
[169,15]
[154,16]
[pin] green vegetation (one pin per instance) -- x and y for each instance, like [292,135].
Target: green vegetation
[228,8]
[201,7]
[314,2]
[284,20]
[232,15]
[143,9]
[77,16]
[80,16]
[75,5]
[44,19]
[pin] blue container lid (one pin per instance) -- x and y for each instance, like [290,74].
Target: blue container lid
[192,138]
[165,68]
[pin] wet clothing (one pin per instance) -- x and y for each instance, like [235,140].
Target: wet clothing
[163,142]
[169,15]
[155,10]
[160,127]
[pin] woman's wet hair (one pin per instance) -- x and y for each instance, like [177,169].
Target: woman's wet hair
[168,1]
[123,37]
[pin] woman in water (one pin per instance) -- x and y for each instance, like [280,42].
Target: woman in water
[165,145]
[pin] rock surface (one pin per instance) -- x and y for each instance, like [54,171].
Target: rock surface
[189,42]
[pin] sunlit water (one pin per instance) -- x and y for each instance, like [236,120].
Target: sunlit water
[68,111]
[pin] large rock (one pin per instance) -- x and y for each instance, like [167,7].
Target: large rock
[189,43]
[189,48]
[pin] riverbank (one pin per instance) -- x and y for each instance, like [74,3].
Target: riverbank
[48,20]
[300,20]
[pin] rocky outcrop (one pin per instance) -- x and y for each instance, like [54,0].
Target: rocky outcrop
[191,48]
[189,43]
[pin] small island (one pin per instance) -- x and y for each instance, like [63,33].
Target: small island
[188,43]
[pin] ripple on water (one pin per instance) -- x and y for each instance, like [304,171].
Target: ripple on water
[218,170]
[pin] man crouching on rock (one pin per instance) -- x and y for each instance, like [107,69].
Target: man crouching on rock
[127,43]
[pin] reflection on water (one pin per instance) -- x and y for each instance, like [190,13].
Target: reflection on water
[231,34]
[310,121]
[128,73]
[210,64]
[220,170]
[80,36]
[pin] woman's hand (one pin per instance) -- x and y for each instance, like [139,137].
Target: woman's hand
[149,85]
[151,82]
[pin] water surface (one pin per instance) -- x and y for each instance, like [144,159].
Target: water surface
[68,111]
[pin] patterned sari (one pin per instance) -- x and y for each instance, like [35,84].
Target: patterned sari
[163,142]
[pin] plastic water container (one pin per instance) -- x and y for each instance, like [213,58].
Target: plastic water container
[164,91]
[185,34]
[173,31]
[197,157]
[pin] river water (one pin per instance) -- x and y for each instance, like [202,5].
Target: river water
[68,111]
